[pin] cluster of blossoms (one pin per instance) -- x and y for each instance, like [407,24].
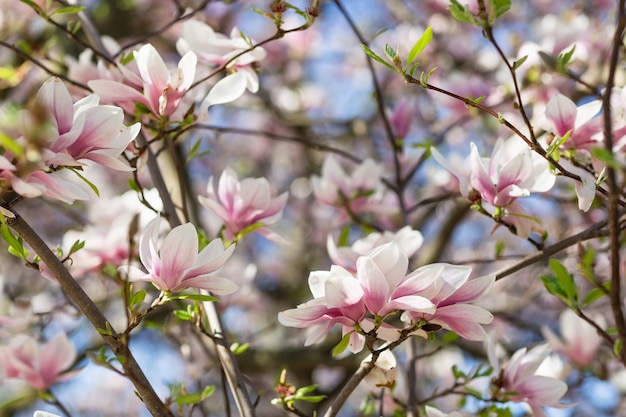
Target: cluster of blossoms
[380,287]
[66,135]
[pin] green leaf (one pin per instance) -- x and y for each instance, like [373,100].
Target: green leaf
[107,331]
[305,390]
[565,279]
[563,59]
[499,7]
[518,63]
[606,156]
[593,295]
[89,183]
[68,10]
[34,5]
[460,13]
[376,58]
[312,398]
[238,348]
[419,46]
[342,345]
[391,54]
[137,298]
[344,236]
[183,315]
[195,297]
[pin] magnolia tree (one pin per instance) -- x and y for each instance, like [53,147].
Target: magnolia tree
[313,208]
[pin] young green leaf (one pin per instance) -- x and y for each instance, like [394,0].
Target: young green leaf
[376,58]
[342,345]
[68,10]
[419,46]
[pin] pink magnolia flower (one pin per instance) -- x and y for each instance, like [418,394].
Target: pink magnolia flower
[563,116]
[346,256]
[243,204]
[160,89]
[450,291]
[510,173]
[506,176]
[84,130]
[580,341]
[381,286]
[39,365]
[75,135]
[519,376]
[177,265]
[337,300]
[336,188]
[217,49]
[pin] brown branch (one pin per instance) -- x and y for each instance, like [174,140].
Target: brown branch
[597,230]
[617,304]
[77,295]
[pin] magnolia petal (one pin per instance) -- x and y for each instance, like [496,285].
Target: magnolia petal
[561,111]
[227,89]
[216,285]
[179,251]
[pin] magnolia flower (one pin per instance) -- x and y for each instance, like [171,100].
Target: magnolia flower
[408,239]
[217,49]
[336,188]
[39,365]
[84,130]
[73,134]
[451,291]
[580,341]
[510,173]
[162,89]
[245,203]
[519,380]
[177,265]
[563,116]
[380,287]
[385,371]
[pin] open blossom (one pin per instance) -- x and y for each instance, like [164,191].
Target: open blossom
[177,265]
[217,49]
[346,256]
[579,340]
[510,173]
[39,365]
[519,376]
[381,286]
[563,116]
[74,135]
[84,130]
[450,291]
[160,89]
[336,188]
[241,204]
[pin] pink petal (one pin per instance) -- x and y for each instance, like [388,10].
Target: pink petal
[561,111]
[55,97]
[179,251]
